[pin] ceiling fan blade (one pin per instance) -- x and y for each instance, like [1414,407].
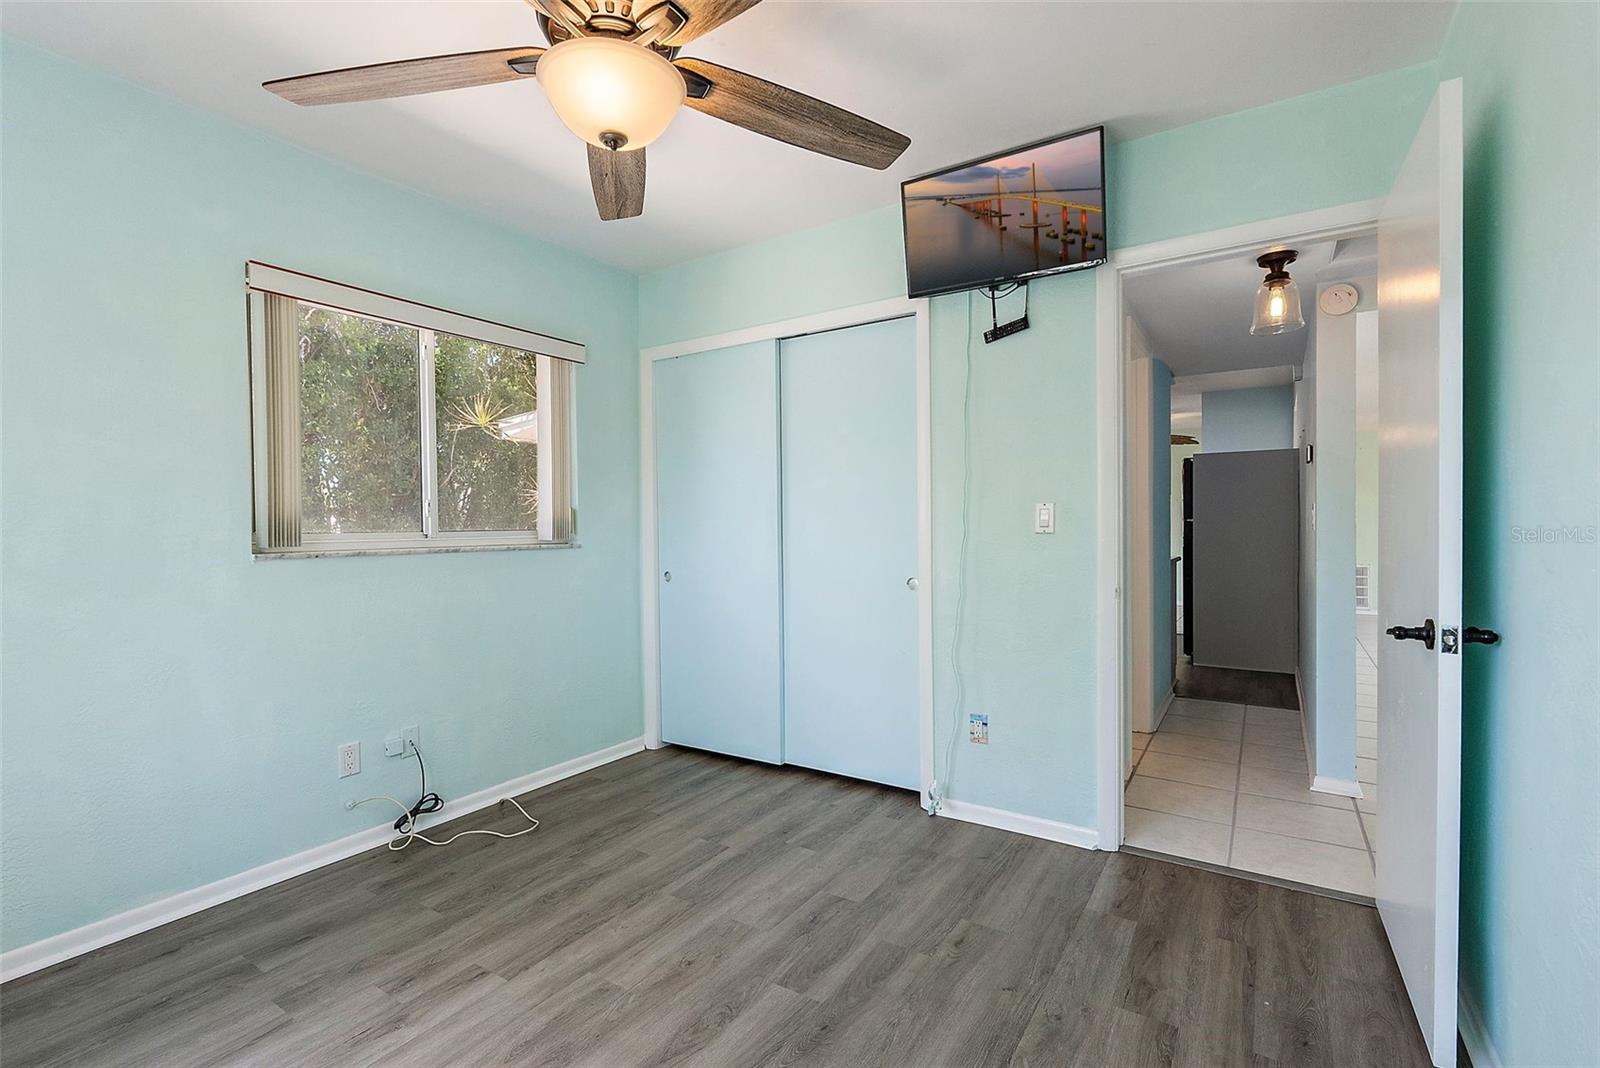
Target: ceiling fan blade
[407,77]
[787,115]
[618,179]
[704,16]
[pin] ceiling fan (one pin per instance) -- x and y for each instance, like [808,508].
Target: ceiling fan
[615,78]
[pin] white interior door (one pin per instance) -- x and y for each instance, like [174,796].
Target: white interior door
[1419,680]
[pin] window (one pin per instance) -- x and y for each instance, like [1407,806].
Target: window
[383,425]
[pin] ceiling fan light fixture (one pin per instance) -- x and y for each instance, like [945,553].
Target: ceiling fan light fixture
[613,94]
[1277,308]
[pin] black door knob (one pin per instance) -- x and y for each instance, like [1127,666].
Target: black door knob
[1424,634]
[1481,635]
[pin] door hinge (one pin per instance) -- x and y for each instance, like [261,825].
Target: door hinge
[1449,641]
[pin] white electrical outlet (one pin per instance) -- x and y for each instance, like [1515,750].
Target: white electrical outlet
[410,738]
[349,759]
[978,728]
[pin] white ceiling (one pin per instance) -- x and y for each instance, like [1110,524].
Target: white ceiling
[1197,316]
[960,79]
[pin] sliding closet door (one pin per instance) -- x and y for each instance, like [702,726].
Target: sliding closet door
[720,584]
[850,551]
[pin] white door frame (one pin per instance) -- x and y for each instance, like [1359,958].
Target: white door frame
[836,319]
[1112,622]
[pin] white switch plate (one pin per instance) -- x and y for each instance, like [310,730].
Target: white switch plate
[1044,517]
[410,739]
[349,759]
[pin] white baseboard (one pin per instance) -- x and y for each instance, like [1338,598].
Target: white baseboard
[1163,708]
[1322,784]
[1033,826]
[57,948]
[1306,740]
[1158,712]
[1474,1035]
[1326,784]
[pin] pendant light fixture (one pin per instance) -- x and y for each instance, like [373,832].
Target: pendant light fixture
[1278,299]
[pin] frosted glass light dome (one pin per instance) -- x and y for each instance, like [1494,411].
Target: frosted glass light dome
[611,93]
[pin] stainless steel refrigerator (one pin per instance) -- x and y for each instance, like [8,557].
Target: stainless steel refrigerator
[1241,566]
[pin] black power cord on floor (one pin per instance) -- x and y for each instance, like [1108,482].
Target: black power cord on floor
[406,825]
[425,804]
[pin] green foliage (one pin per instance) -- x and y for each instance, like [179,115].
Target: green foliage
[359,412]
[486,481]
[360,439]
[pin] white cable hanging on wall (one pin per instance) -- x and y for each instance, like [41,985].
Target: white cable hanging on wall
[939,788]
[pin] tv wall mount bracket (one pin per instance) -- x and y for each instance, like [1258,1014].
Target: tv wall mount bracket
[1016,326]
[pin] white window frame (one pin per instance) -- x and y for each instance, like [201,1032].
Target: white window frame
[556,525]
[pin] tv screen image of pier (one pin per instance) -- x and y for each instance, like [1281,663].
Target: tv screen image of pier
[1037,209]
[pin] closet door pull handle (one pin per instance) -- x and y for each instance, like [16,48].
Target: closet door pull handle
[912,583]
[666,576]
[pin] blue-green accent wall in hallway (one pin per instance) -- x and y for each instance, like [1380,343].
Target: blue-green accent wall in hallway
[1530,864]
[1027,646]
[171,706]
[1247,420]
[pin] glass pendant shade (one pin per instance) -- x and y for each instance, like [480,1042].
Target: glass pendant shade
[611,93]
[1277,308]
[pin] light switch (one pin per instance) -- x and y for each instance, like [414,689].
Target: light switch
[1044,517]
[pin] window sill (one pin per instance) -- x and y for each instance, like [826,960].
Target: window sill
[409,550]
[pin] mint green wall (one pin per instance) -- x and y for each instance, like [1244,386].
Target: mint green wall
[1028,637]
[1530,890]
[172,707]
[1247,420]
[1340,145]
[849,262]
[1028,641]
[1161,522]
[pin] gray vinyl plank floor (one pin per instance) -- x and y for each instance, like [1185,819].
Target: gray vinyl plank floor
[679,908]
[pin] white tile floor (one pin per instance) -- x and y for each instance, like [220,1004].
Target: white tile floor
[1367,723]
[1227,784]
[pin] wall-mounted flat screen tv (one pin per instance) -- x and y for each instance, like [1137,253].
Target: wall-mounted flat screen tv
[1035,210]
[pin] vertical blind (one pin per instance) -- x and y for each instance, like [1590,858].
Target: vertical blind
[282,332]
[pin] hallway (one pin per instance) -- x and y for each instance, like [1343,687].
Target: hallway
[1225,781]
[1226,784]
